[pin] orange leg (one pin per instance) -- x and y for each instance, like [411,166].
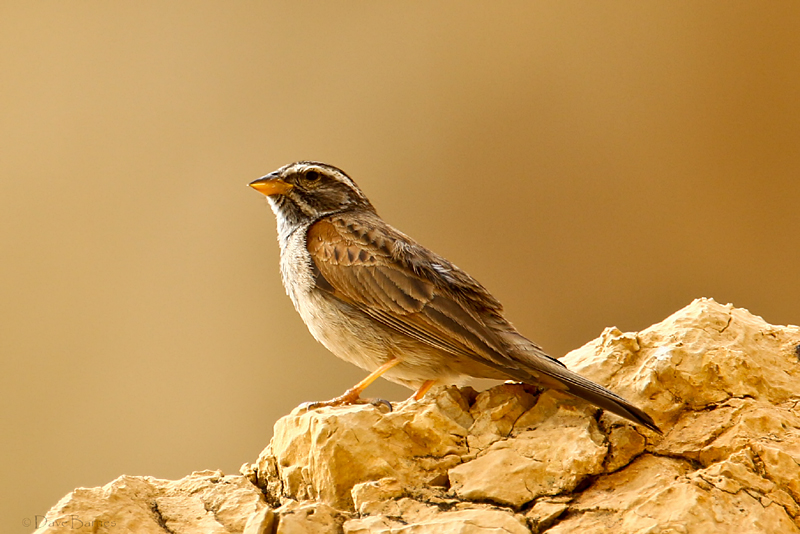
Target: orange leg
[423,389]
[351,396]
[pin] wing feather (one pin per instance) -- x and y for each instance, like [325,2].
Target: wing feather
[371,271]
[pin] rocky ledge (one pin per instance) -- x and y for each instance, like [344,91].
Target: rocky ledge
[722,383]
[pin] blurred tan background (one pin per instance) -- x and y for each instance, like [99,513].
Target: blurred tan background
[592,163]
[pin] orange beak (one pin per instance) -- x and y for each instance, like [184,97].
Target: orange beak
[270,185]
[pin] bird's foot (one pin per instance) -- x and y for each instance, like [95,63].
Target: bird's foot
[348,398]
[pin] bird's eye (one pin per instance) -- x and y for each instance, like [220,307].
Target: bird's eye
[312,176]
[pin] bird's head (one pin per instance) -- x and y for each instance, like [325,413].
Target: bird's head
[302,192]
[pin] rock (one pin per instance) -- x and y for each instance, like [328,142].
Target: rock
[781,466]
[551,459]
[699,356]
[625,444]
[659,495]
[205,501]
[545,512]
[309,518]
[322,454]
[495,411]
[722,383]
[260,522]
[413,517]
[714,435]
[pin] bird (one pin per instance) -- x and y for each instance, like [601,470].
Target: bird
[376,298]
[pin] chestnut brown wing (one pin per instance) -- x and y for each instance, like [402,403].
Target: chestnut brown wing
[384,274]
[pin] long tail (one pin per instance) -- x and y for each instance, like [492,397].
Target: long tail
[603,398]
[537,368]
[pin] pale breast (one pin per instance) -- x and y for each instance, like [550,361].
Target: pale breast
[350,336]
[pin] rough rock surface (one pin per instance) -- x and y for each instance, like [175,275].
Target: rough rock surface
[723,384]
[205,501]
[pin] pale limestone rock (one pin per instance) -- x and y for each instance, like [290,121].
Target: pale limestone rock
[658,495]
[551,406]
[545,512]
[418,518]
[781,465]
[260,522]
[205,501]
[625,445]
[367,494]
[403,507]
[322,454]
[699,356]
[309,518]
[549,460]
[712,436]
[723,384]
[495,411]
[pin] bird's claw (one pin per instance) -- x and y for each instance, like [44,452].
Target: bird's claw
[349,398]
[380,402]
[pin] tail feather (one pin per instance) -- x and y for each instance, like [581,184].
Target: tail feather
[538,368]
[607,400]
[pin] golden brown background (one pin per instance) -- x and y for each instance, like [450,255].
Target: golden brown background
[592,163]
